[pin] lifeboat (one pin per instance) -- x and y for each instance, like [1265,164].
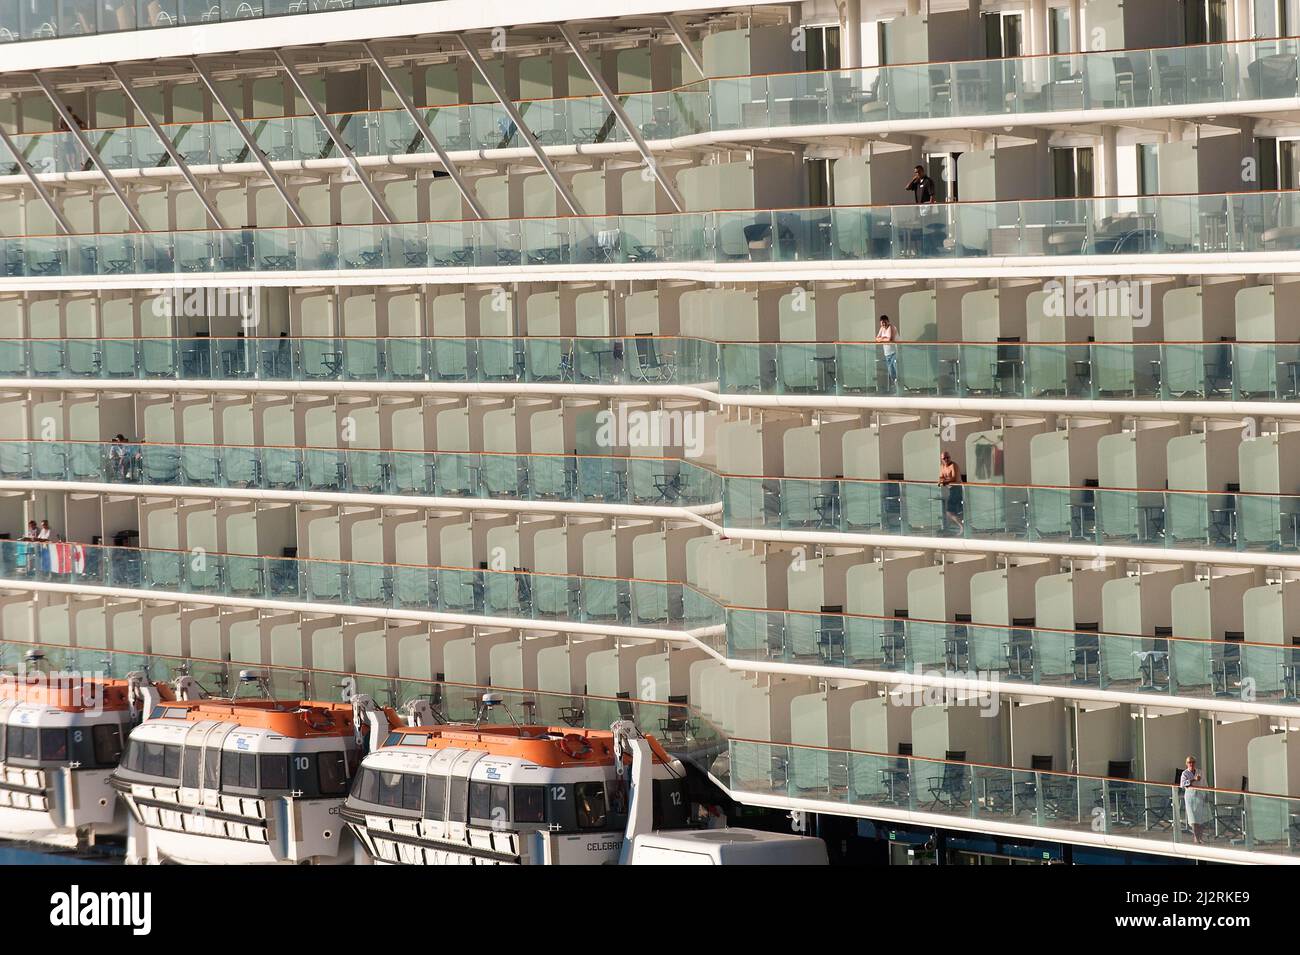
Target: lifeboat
[253,781]
[503,795]
[471,794]
[62,737]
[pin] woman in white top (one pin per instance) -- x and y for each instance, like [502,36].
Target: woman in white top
[1197,806]
[887,334]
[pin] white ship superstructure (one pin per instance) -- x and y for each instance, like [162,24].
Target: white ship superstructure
[435,346]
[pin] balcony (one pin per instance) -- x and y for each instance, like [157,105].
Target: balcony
[1169,666]
[553,478]
[1197,520]
[1127,227]
[608,601]
[1156,371]
[49,19]
[1247,72]
[639,360]
[1061,804]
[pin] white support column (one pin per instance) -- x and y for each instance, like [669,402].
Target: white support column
[36,184]
[1076,26]
[450,167]
[220,99]
[1037,34]
[1241,14]
[624,120]
[74,129]
[163,138]
[513,112]
[1109,165]
[332,131]
[679,30]
[851,45]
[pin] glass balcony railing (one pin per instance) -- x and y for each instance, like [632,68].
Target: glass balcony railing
[1208,520]
[1223,73]
[581,120]
[505,593]
[48,19]
[1065,802]
[675,725]
[1127,226]
[1161,666]
[1168,371]
[579,361]
[1111,79]
[528,477]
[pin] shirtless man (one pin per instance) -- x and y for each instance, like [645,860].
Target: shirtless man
[950,490]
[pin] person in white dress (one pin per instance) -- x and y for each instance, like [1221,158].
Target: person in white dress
[1197,806]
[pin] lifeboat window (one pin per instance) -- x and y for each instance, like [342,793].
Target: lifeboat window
[435,797]
[172,762]
[490,801]
[131,758]
[401,790]
[230,772]
[366,786]
[151,759]
[107,741]
[390,790]
[589,800]
[161,760]
[54,745]
[275,771]
[456,802]
[239,771]
[21,742]
[212,767]
[412,791]
[560,813]
[191,764]
[334,774]
[530,804]
[499,811]
[479,797]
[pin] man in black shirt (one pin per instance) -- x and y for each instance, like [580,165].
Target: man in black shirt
[922,186]
[923,238]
